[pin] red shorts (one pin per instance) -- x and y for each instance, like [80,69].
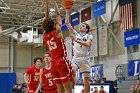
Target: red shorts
[61,70]
[50,91]
[31,88]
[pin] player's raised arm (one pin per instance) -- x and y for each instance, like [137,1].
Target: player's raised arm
[70,28]
[57,13]
[47,9]
[59,21]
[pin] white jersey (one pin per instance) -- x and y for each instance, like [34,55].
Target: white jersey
[78,49]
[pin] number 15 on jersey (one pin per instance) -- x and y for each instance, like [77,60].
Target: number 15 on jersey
[52,44]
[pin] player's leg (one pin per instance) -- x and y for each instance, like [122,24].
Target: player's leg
[60,88]
[56,77]
[85,69]
[68,86]
[86,81]
[74,80]
[75,66]
[59,85]
[65,72]
[31,88]
[74,69]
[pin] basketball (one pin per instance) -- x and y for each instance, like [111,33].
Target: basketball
[67,4]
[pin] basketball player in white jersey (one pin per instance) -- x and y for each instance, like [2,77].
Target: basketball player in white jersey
[82,41]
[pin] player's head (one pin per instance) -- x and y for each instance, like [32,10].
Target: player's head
[84,28]
[101,88]
[48,25]
[47,57]
[37,61]
[138,80]
[95,88]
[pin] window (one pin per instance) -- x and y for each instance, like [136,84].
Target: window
[132,49]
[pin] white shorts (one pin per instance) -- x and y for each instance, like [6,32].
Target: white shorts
[83,64]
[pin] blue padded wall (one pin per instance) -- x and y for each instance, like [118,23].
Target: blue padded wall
[7,80]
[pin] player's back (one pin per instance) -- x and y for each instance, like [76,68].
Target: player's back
[55,45]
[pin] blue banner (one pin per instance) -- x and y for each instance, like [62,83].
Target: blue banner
[7,81]
[132,37]
[99,8]
[97,71]
[133,67]
[75,19]
[64,27]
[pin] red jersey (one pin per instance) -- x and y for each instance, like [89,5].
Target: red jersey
[48,80]
[82,91]
[95,91]
[101,91]
[33,73]
[55,45]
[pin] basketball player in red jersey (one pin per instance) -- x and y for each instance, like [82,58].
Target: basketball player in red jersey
[31,76]
[46,77]
[53,38]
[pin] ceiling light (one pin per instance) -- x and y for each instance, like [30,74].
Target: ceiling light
[61,7]
[51,9]
[72,13]
[29,26]
[99,0]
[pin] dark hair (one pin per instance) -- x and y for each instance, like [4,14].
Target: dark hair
[102,87]
[87,27]
[48,25]
[138,78]
[48,54]
[35,59]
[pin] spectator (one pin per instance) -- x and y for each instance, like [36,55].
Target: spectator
[136,88]
[82,91]
[102,90]
[14,90]
[94,81]
[102,81]
[115,89]
[95,90]
[23,88]
[17,88]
